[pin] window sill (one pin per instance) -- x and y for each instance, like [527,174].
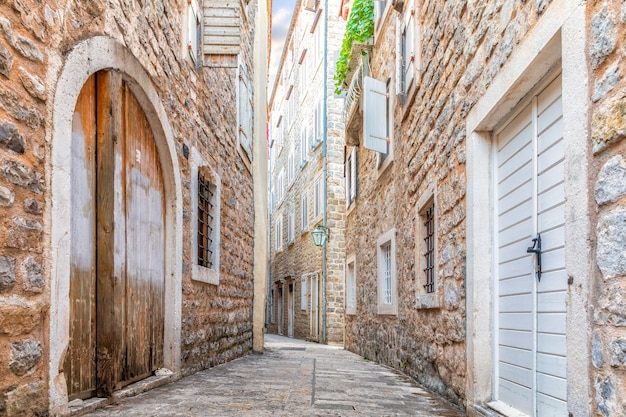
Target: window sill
[383,167]
[426,301]
[387,310]
[206,275]
[350,208]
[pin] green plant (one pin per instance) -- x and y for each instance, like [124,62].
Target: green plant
[360,28]
[403,364]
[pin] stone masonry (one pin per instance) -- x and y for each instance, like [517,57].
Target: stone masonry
[463,47]
[608,175]
[201,104]
[297,262]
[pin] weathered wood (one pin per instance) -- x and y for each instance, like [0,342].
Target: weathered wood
[118,270]
[110,268]
[79,363]
[143,341]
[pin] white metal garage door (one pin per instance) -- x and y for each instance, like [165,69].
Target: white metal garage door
[530,346]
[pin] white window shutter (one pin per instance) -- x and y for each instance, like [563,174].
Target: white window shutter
[222,27]
[410,52]
[374,115]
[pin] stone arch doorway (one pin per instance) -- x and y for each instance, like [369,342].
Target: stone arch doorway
[86,58]
[117,250]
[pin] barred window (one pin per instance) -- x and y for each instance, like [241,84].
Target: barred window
[206,220]
[387,288]
[428,218]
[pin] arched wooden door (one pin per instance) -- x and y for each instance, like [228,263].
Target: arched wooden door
[117,253]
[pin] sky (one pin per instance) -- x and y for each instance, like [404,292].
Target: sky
[281,17]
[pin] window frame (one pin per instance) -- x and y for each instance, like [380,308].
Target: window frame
[351,175]
[198,272]
[318,198]
[278,242]
[291,228]
[351,276]
[423,298]
[194,32]
[304,301]
[304,213]
[387,239]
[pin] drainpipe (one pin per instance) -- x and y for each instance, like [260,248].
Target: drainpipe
[269,302]
[325,163]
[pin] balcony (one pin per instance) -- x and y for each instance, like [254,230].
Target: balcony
[352,113]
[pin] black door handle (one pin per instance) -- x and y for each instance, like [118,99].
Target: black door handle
[536,248]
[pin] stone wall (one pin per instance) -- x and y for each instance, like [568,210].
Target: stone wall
[606,45]
[301,257]
[35,38]
[463,45]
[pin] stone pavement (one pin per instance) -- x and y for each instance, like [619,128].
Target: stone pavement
[292,378]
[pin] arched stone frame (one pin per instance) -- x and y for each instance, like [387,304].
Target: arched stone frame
[558,39]
[86,58]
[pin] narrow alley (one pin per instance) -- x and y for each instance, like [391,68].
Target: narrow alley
[292,378]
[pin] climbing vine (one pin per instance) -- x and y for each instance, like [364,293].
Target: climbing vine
[360,28]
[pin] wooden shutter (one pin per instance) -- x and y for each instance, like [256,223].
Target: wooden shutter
[375,115]
[245,113]
[222,27]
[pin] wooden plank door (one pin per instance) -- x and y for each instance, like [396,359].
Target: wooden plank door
[530,350]
[79,365]
[117,282]
[145,236]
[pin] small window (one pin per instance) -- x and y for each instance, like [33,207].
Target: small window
[305,213]
[426,256]
[291,168]
[280,187]
[318,123]
[351,285]
[304,145]
[408,58]
[279,234]
[351,177]
[318,197]
[303,77]
[206,220]
[380,9]
[386,260]
[193,30]
[303,295]
[291,227]
[318,40]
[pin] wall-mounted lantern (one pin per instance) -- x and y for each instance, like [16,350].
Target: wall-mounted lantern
[320,234]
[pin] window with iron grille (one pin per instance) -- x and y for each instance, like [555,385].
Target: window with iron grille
[206,221]
[426,252]
[428,219]
[387,284]
[386,258]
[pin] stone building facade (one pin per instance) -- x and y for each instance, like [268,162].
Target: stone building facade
[306,171]
[503,175]
[109,114]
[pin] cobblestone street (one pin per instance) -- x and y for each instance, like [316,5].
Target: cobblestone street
[292,378]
